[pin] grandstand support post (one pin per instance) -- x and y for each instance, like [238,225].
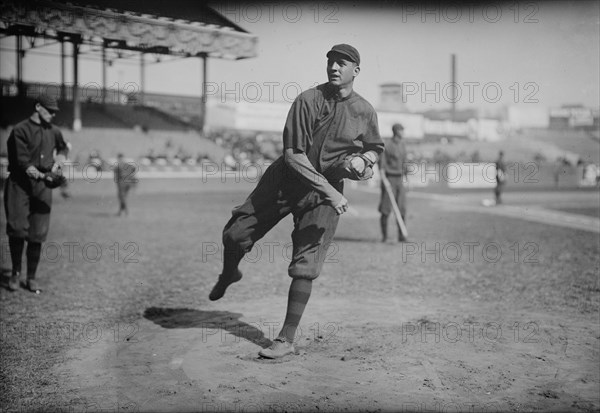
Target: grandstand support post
[20,88]
[76,101]
[453,80]
[62,69]
[103,93]
[142,78]
[204,57]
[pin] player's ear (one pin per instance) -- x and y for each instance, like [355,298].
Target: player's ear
[356,70]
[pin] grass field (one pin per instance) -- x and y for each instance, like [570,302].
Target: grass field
[478,311]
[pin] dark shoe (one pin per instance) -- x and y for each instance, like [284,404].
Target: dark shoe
[402,239]
[13,282]
[218,290]
[33,286]
[280,348]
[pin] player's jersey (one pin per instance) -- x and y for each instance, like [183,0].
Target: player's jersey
[124,174]
[327,130]
[393,161]
[31,143]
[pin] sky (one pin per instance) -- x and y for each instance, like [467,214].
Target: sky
[536,54]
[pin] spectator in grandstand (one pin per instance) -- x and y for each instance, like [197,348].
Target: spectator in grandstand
[151,155]
[557,170]
[124,173]
[500,177]
[96,160]
[27,198]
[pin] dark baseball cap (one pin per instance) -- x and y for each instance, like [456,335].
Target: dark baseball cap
[347,51]
[48,102]
[398,126]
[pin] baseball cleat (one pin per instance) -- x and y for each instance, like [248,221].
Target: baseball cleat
[32,285]
[13,282]
[218,290]
[280,348]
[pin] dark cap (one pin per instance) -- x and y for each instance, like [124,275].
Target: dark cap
[347,51]
[397,126]
[48,102]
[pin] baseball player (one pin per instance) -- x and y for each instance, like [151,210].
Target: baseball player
[500,177]
[393,165]
[28,189]
[125,180]
[331,133]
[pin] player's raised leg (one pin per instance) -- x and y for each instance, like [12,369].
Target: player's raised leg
[261,211]
[233,238]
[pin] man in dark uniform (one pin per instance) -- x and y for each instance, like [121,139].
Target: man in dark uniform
[392,165]
[27,200]
[125,180]
[324,125]
[500,177]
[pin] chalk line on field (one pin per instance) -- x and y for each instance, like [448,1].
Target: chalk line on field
[532,213]
[432,374]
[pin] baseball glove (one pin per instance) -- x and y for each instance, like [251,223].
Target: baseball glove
[53,180]
[344,169]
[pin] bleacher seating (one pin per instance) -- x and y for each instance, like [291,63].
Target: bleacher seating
[109,129]
[136,144]
[110,115]
[580,142]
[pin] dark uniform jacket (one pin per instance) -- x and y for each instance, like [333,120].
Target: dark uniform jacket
[328,129]
[30,144]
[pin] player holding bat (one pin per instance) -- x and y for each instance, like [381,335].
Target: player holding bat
[392,167]
[331,133]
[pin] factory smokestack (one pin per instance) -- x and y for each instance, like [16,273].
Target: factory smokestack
[453,77]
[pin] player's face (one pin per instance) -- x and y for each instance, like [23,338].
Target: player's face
[46,115]
[340,71]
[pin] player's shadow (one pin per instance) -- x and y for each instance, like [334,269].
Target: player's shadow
[190,318]
[352,239]
[102,214]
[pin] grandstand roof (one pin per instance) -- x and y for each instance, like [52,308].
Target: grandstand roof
[173,27]
[185,10]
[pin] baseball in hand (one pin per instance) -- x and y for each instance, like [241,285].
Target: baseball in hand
[358,164]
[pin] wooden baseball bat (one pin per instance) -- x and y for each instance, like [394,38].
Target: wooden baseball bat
[397,214]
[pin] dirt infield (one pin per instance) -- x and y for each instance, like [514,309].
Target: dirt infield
[477,312]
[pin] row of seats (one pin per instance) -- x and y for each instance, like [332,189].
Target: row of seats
[95,115]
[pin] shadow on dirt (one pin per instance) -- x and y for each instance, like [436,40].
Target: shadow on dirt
[103,214]
[357,239]
[223,320]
